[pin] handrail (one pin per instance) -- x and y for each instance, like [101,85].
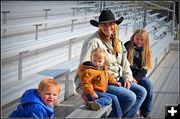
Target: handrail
[47,21]
[37,24]
[69,42]
[81,7]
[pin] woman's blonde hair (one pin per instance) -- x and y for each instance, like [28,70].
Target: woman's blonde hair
[146,54]
[48,83]
[115,37]
[99,53]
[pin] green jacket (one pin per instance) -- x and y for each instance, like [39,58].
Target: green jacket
[119,66]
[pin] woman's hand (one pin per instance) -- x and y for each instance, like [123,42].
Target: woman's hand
[117,84]
[127,84]
[134,81]
[94,96]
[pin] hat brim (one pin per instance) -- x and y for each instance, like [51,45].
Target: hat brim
[96,24]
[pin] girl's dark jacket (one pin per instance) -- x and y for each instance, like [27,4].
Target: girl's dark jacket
[137,70]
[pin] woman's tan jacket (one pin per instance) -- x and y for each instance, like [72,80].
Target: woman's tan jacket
[117,65]
[93,79]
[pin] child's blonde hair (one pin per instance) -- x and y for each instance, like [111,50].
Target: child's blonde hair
[99,53]
[146,54]
[48,83]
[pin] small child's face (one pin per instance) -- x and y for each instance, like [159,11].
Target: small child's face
[138,40]
[49,96]
[98,62]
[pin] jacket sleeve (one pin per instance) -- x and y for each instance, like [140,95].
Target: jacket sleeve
[111,79]
[86,82]
[126,70]
[140,74]
[37,111]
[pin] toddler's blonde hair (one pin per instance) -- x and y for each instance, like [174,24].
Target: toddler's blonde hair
[48,83]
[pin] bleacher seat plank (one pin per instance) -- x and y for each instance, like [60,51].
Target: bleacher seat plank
[83,112]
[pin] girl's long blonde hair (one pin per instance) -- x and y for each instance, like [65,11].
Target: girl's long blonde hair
[115,38]
[146,54]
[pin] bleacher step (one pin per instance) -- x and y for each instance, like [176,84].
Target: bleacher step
[174,45]
[67,106]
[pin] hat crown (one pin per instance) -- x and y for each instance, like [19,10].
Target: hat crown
[106,15]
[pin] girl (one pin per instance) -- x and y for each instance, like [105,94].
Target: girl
[140,58]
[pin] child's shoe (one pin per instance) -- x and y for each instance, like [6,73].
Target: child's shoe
[93,105]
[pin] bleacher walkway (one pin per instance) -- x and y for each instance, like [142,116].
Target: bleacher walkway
[166,84]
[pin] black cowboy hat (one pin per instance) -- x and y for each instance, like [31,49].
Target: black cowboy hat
[106,16]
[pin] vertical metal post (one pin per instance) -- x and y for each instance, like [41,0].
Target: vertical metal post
[72,24]
[96,17]
[70,49]
[135,9]
[101,7]
[173,23]
[104,5]
[4,21]
[156,62]
[36,35]
[4,15]
[46,12]
[46,16]
[73,11]
[36,28]
[86,9]
[145,14]
[20,65]
[67,84]
[126,28]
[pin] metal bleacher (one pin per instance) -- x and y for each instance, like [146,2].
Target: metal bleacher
[46,39]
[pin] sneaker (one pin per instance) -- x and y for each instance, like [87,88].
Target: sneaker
[146,115]
[138,114]
[92,105]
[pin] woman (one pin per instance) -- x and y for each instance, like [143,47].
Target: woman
[130,95]
[139,56]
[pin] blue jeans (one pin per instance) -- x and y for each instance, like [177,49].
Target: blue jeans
[146,106]
[105,99]
[130,100]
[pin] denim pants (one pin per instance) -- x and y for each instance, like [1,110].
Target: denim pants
[131,99]
[146,106]
[105,99]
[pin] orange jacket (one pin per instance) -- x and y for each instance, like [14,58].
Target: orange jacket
[93,79]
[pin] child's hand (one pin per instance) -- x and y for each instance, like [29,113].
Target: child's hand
[83,96]
[94,96]
[117,84]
